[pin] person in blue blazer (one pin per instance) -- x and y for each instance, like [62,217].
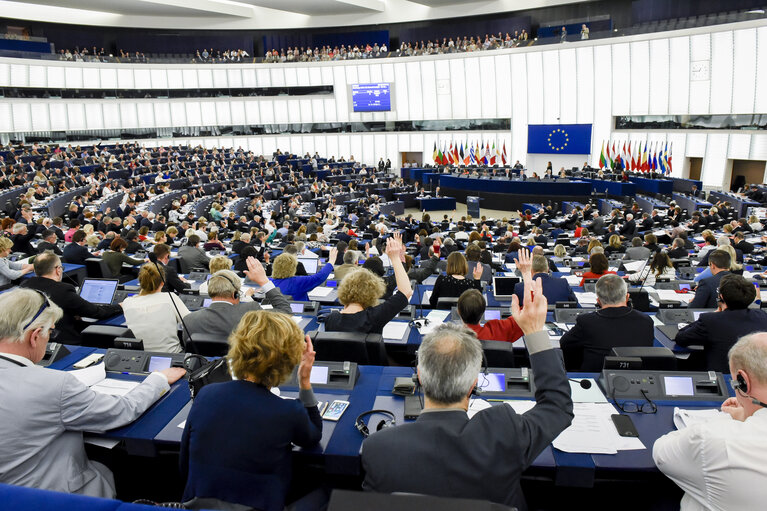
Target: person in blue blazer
[298,286]
[554,288]
[238,439]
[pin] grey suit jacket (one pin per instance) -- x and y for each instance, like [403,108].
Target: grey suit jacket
[220,318]
[445,454]
[487,271]
[44,415]
[194,257]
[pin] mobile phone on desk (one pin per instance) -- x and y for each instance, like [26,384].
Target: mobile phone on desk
[625,425]
[335,410]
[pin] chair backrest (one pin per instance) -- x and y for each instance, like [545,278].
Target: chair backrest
[364,349]
[447,302]
[498,353]
[208,345]
[94,269]
[653,358]
[103,336]
[344,500]
[106,272]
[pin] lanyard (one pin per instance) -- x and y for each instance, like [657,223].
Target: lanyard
[13,361]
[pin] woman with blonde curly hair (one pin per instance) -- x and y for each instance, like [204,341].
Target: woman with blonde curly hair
[237,445]
[360,291]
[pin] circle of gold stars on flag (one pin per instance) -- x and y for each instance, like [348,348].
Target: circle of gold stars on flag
[558,139]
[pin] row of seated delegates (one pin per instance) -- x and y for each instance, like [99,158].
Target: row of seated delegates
[206,55]
[360,292]
[45,411]
[326,53]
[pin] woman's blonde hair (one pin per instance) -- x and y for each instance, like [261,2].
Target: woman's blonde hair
[592,244]
[172,231]
[265,347]
[88,229]
[158,236]
[92,240]
[559,250]
[284,266]
[218,263]
[150,278]
[361,286]
[734,266]
[5,244]
[615,241]
[456,264]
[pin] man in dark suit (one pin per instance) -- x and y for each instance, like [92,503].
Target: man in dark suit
[226,309]
[442,449]
[741,243]
[678,251]
[75,252]
[555,289]
[629,226]
[173,282]
[705,294]
[718,331]
[49,272]
[587,343]
[49,243]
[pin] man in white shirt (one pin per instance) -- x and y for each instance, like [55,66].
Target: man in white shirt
[46,411]
[720,464]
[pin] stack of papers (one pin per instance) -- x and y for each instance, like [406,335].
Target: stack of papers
[670,294]
[586,298]
[634,265]
[95,377]
[573,280]
[436,318]
[684,417]
[394,331]
[321,291]
[593,432]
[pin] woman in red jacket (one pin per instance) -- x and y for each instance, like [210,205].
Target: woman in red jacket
[598,267]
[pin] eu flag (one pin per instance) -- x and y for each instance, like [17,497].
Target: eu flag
[559,139]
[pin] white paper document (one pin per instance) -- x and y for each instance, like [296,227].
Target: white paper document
[685,417]
[573,280]
[586,298]
[634,265]
[182,424]
[425,298]
[477,405]
[115,387]
[593,432]
[90,375]
[321,291]
[670,294]
[395,331]
[106,443]
[436,317]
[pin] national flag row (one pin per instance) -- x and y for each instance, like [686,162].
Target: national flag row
[474,154]
[653,157]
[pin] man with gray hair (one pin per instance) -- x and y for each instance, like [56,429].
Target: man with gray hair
[615,324]
[46,411]
[440,452]
[720,463]
[226,309]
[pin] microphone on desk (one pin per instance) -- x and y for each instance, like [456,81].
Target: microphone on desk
[584,383]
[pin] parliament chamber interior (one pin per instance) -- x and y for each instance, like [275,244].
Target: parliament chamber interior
[383,254]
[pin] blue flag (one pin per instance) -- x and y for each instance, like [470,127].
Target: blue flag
[559,139]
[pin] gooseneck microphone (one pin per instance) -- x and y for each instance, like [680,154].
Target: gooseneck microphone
[584,383]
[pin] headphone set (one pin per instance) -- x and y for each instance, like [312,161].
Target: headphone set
[418,323]
[235,287]
[742,386]
[359,422]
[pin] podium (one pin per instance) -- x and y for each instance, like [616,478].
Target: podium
[472,206]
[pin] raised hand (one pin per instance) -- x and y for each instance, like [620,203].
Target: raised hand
[255,271]
[477,273]
[305,366]
[524,262]
[532,317]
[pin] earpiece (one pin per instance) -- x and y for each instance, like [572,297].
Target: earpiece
[235,286]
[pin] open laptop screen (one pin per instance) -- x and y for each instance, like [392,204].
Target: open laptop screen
[100,291]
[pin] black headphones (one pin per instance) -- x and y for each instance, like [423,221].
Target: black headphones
[742,386]
[359,422]
[235,287]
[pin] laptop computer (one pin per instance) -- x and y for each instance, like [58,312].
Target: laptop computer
[503,287]
[310,264]
[99,291]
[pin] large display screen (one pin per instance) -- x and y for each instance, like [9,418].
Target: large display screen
[371,97]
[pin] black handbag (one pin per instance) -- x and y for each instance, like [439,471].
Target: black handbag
[216,371]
